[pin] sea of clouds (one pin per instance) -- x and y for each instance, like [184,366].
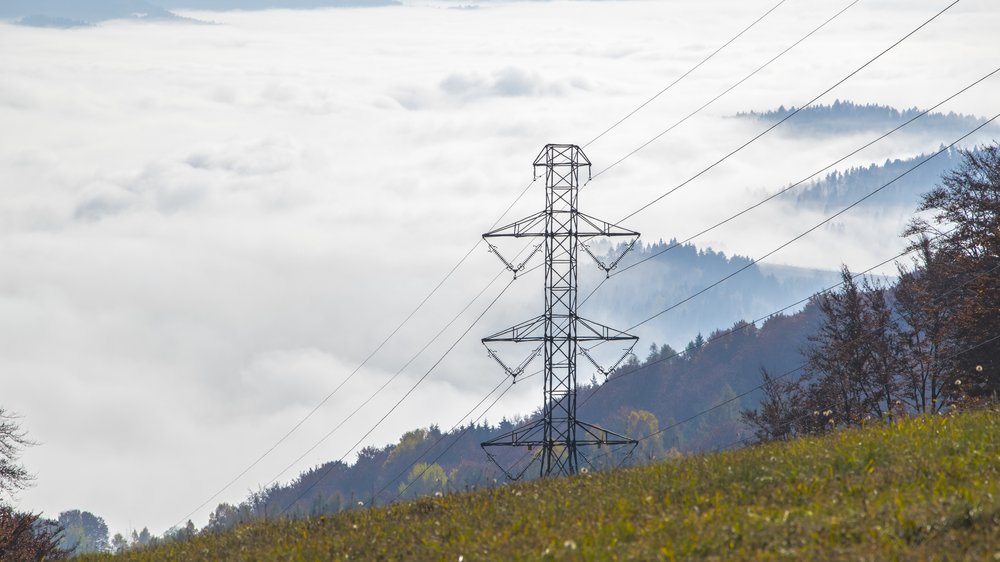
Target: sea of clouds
[206,228]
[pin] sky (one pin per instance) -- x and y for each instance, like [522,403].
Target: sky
[205,229]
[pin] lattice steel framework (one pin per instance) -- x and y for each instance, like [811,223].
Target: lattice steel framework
[560,333]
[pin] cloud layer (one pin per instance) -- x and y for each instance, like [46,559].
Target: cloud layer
[206,228]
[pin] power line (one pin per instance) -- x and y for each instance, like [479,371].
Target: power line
[729,332]
[802,366]
[772,127]
[386,383]
[760,135]
[870,61]
[685,75]
[869,195]
[792,114]
[437,287]
[820,224]
[747,325]
[753,262]
[404,397]
[364,362]
[795,369]
[465,257]
[779,377]
[457,438]
[732,87]
[791,186]
[445,451]
[672,426]
[787,373]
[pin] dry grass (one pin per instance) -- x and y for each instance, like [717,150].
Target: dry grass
[922,489]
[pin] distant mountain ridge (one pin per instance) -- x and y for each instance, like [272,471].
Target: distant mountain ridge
[223,5]
[75,13]
[848,117]
[669,276]
[840,188]
[78,13]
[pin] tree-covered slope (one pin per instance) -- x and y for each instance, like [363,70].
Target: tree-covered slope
[671,273]
[842,187]
[846,117]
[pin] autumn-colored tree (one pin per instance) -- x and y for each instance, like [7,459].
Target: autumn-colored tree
[856,358]
[780,411]
[13,476]
[964,228]
[26,536]
[23,536]
[929,332]
[424,479]
[83,532]
[643,424]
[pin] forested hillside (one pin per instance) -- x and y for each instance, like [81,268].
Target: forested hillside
[671,273]
[841,187]
[845,117]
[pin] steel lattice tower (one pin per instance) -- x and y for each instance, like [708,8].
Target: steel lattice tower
[560,333]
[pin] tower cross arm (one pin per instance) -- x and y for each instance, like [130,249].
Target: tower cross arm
[533,225]
[600,227]
[588,330]
[529,330]
[591,227]
[555,155]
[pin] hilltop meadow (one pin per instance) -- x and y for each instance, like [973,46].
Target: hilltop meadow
[924,488]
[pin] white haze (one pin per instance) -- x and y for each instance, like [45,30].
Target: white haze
[205,228]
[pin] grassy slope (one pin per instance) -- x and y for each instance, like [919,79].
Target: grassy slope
[927,488]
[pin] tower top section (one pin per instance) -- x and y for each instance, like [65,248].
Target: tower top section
[562,155]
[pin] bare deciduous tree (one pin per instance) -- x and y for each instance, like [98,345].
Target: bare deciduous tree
[13,476]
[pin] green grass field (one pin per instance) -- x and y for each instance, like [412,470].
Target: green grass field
[922,489]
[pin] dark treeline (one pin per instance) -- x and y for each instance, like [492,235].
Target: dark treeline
[848,117]
[928,343]
[840,188]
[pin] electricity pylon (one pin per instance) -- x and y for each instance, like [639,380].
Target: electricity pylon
[561,335]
